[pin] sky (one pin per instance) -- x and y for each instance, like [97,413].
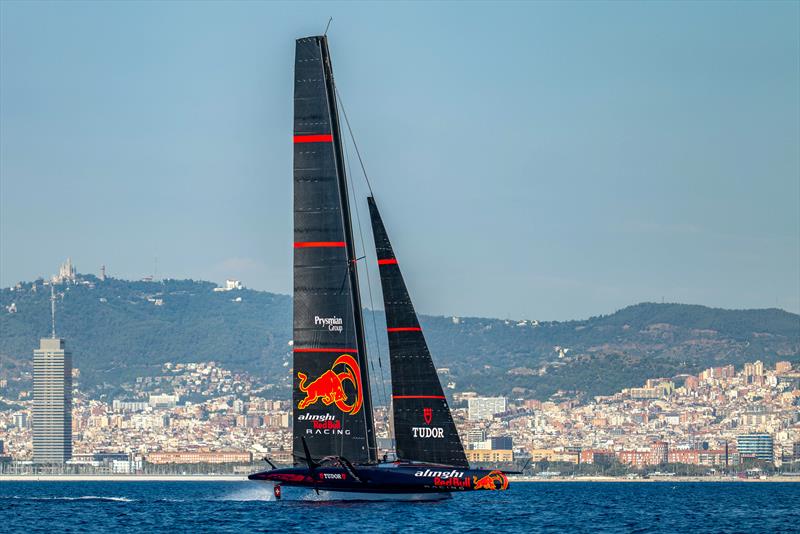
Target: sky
[531,160]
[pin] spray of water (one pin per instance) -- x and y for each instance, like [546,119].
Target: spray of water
[254,492]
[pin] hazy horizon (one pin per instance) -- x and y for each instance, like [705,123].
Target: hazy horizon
[543,161]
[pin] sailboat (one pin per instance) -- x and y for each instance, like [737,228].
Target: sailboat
[334,442]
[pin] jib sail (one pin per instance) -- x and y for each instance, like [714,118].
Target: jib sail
[424,428]
[331,393]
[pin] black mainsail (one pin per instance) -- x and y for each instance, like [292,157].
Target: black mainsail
[424,428]
[331,392]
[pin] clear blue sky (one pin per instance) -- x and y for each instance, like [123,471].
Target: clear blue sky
[538,160]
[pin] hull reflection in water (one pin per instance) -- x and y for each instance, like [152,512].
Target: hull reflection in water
[325,495]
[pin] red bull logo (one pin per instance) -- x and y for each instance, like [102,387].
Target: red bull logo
[454,482]
[329,387]
[495,480]
[327,425]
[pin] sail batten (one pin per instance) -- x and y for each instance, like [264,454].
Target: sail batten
[331,400]
[424,427]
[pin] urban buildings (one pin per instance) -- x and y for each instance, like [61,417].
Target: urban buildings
[483,408]
[163,401]
[52,402]
[201,413]
[21,420]
[759,446]
[194,457]
[490,456]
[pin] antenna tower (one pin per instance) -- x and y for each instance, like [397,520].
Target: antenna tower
[53,310]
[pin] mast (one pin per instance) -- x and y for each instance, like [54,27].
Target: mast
[424,427]
[331,394]
[352,259]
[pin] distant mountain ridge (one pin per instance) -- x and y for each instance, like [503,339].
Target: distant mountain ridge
[119,329]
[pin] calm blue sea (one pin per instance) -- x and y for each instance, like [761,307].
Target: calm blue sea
[539,507]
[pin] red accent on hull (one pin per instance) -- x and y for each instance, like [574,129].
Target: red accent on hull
[325,350]
[323,138]
[391,261]
[418,396]
[309,244]
[405,329]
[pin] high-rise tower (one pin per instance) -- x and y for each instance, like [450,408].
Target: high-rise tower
[52,400]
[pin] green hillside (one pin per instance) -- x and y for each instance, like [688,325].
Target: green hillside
[119,330]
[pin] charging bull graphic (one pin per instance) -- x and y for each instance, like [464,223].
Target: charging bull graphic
[495,480]
[329,387]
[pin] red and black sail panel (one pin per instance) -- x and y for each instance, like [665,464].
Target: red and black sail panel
[331,394]
[423,425]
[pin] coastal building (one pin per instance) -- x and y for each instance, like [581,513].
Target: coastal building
[539,455]
[596,456]
[197,457]
[52,402]
[659,453]
[635,458]
[489,456]
[713,457]
[4,458]
[759,446]
[684,456]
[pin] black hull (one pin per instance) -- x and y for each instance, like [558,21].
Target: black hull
[396,478]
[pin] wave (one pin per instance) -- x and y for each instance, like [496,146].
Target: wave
[80,498]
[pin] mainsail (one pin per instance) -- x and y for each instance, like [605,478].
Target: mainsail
[424,428]
[331,394]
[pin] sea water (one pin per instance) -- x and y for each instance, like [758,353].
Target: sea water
[526,507]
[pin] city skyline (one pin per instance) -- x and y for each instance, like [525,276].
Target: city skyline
[716,419]
[723,418]
[644,158]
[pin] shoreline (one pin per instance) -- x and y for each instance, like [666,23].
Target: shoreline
[676,479]
[243,478]
[123,478]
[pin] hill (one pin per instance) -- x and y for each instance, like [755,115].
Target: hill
[119,330]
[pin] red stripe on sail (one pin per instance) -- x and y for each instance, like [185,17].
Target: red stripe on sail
[405,329]
[322,138]
[307,244]
[391,261]
[418,396]
[325,350]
